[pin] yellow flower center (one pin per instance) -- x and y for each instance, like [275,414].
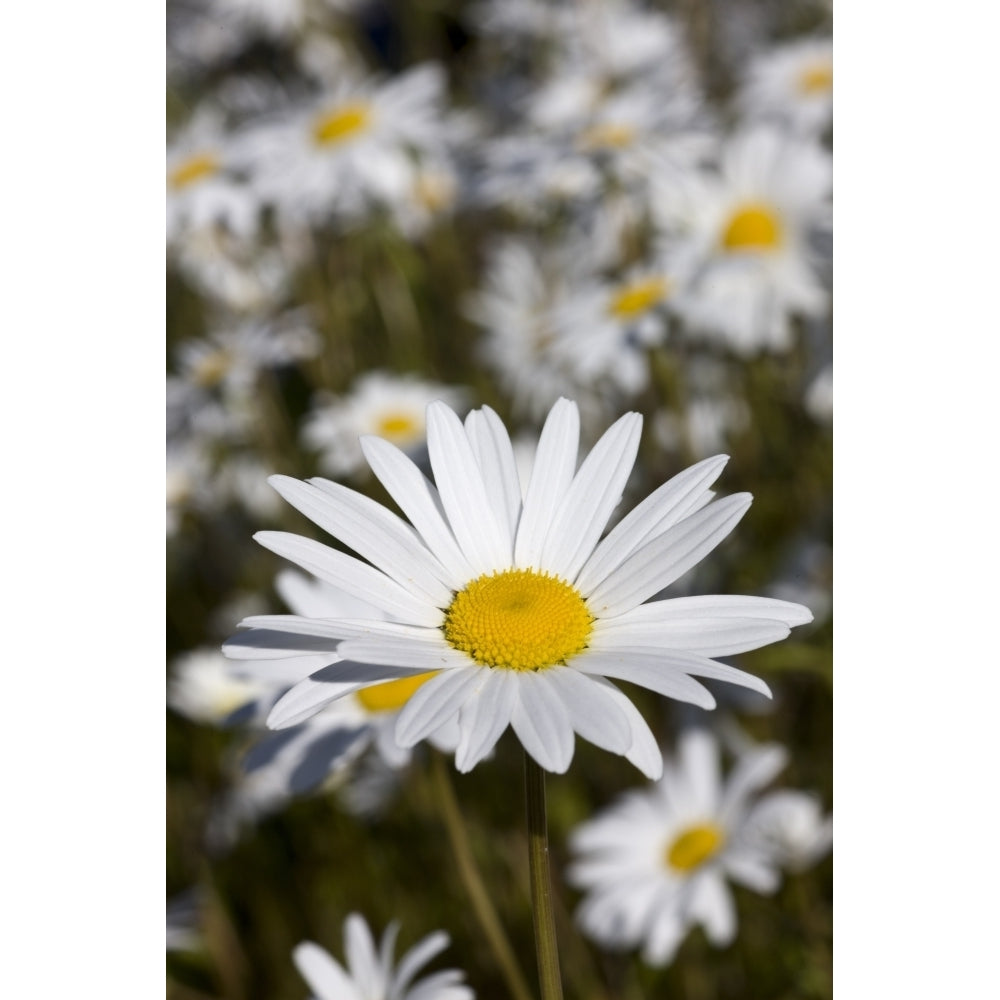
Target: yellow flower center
[210,369]
[632,300]
[519,619]
[694,846]
[607,135]
[752,227]
[342,123]
[397,426]
[392,695]
[193,169]
[817,79]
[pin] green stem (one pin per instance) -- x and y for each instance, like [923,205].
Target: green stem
[481,905]
[546,947]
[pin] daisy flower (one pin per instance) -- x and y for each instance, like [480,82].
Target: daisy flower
[372,975]
[231,358]
[204,687]
[791,84]
[510,601]
[746,233]
[657,862]
[352,148]
[203,186]
[391,406]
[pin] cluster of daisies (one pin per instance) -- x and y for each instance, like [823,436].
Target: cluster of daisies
[614,240]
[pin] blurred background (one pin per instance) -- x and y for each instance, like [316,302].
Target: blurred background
[372,205]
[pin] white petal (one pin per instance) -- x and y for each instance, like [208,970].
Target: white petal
[417,957]
[362,961]
[307,697]
[272,644]
[712,905]
[542,723]
[707,636]
[484,540]
[753,872]
[484,717]
[332,630]
[674,500]
[661,561]
[374,532]
[435,703]
[698,769]
[323,974]
[404,653]
[593,713]
[754,769]
[644,752]
[717,606]
[648,670]
[594,493]
[551,475]
[419,500]
[351,574]
[493,449]
[304,700]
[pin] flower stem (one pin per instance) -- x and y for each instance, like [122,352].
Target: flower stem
[546,947]
[481,905]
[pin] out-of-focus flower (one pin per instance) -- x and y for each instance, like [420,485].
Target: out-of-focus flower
[205,688]
[514,605]
[792,827]
[603,327]
[392,406]
[231,358]
[745,233]
[524,289]
[657,862]
[352,149]
[183,919]
[372,975]
[791,84]
[203,185]
[819,396]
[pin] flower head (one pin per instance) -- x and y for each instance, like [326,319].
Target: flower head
[657,862]
[375,976]
[512,600]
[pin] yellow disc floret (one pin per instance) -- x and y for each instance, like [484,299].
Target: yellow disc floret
[607,135]
[694,846]
[342,123]
[398,426]
[193,169]
[817,79]
[392,695]
[753,226]
[634,299]
[519,619]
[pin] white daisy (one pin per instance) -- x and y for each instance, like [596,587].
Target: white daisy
[746,233]
[204,687]
[524,289]
[656,863]
[352,148]
[232,357]
[791,84]
[203,186]
[514,603]
[392,406]
[372,975]
[241,274]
